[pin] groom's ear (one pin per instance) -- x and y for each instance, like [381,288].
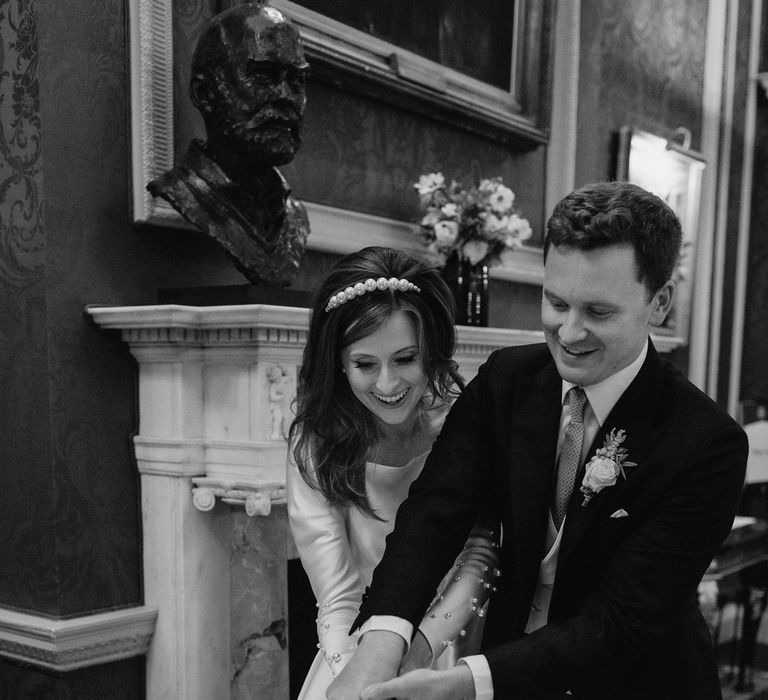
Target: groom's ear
[662,303]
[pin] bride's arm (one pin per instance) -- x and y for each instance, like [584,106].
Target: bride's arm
[319,531]
[462,596]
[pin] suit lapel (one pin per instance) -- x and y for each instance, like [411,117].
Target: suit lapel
[533,441]
[634,412]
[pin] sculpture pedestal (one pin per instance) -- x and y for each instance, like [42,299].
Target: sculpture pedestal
[215,390]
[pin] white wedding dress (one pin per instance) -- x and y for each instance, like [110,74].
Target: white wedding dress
[339,549]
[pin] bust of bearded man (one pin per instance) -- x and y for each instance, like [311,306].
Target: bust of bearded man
[248,81]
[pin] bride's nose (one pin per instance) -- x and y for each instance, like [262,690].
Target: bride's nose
[387,380]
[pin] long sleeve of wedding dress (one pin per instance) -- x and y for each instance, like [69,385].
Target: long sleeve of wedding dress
[454,620]
[319,532]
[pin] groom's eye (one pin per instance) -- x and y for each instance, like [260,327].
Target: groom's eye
[600,313]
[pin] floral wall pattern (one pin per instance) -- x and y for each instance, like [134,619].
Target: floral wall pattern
[22,239]
[26,578]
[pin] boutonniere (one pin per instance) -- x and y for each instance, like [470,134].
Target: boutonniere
[606,465]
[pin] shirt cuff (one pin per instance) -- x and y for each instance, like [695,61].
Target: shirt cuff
[481,675]
[390,623]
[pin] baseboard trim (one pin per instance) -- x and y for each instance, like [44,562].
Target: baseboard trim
[68,644]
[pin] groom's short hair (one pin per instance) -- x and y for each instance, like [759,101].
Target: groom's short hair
[609,213]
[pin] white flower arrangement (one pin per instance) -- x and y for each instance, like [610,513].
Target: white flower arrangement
[606,465]
[481,224]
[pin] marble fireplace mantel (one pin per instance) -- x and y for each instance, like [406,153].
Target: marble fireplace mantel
[215,386]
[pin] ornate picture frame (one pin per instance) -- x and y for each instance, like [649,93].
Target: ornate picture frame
[674,172]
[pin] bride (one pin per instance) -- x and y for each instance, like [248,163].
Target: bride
[375,384]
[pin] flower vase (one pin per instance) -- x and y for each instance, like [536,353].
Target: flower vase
[469,285]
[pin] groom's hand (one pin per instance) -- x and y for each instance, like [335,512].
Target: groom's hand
[452,684]
[376,659]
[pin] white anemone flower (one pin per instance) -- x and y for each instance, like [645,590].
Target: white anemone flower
[518,228]
[427,184]
[502,199]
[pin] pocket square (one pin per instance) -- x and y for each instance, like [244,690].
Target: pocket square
[621,513]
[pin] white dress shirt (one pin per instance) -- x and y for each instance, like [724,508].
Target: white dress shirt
[601,399]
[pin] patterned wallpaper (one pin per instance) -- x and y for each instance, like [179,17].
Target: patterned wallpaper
[642,64]
[22,238]
[26,577]
[91,258]
[68,409]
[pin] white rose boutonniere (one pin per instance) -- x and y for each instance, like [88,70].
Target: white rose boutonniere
[604,468]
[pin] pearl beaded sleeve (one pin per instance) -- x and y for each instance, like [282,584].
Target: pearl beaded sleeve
[456,614]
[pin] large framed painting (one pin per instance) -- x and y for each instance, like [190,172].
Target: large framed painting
[397,51]
[671,170]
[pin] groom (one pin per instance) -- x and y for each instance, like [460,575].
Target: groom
[614,477]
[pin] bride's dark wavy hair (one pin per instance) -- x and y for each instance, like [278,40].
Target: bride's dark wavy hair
[333,435]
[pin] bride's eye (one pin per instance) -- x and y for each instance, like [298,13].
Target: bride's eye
[362,364]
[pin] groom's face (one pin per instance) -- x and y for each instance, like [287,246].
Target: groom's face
[595,312]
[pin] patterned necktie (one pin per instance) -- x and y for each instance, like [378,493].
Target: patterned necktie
[570,454]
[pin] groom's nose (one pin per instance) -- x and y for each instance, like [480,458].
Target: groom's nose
[572,329]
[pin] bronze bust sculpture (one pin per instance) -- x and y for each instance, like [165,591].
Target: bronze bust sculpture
[248,82]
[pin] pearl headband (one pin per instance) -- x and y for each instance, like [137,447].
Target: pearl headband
[370,285]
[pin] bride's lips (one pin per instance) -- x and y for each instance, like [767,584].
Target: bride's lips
[391,401]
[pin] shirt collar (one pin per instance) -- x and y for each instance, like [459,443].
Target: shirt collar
[602,397]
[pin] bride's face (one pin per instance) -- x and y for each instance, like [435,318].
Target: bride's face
[385,370]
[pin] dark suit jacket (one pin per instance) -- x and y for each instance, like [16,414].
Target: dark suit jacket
[623,620]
